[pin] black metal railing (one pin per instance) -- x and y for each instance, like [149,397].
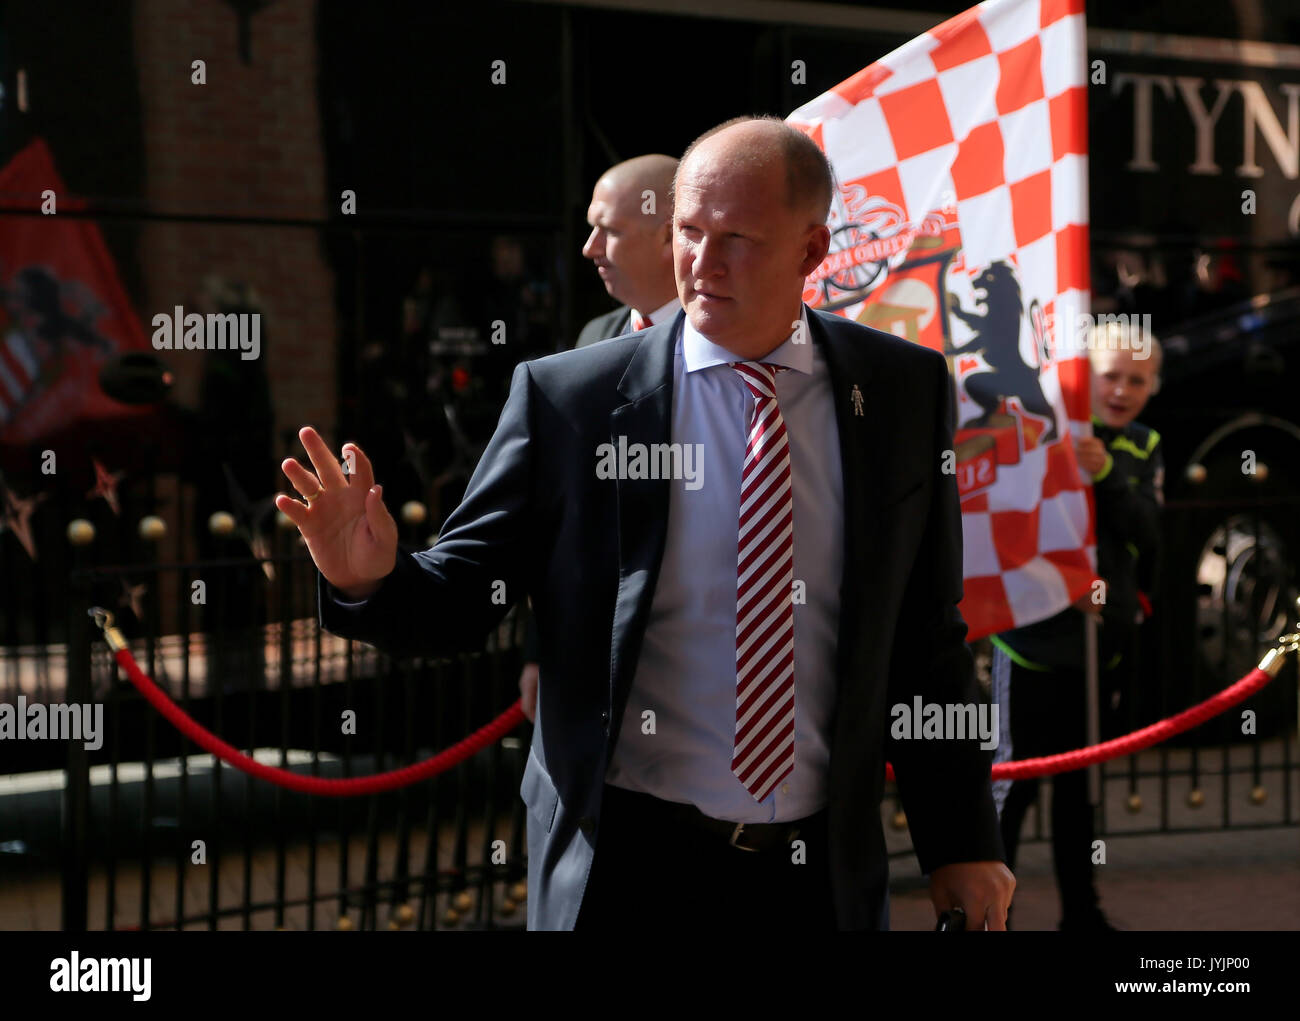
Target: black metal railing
[144,833]
[303,700]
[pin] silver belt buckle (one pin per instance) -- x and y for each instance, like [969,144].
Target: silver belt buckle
[736,833]
[794,832]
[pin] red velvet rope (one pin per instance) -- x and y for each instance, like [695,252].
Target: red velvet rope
[512,717]
[348,788]
[1129,744]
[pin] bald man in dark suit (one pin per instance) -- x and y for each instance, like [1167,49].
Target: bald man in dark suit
[631,246]
[725,638]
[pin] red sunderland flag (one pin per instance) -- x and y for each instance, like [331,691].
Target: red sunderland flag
[960,222]
[62,308]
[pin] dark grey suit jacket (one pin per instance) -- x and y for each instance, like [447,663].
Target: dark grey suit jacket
[536,517]
[611,324]
[603,327]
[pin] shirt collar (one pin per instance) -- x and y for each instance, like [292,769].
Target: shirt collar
[665,313]
[701,353]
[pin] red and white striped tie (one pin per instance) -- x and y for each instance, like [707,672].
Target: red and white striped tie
[640,322]
[763,753]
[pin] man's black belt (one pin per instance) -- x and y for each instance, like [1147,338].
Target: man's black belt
[747,836]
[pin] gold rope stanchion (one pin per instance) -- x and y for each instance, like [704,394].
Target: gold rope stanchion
[1272,664]
[1275,658]
[104,621]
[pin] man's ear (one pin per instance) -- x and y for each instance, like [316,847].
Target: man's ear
[819,243]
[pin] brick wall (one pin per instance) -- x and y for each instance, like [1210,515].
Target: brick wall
[247,143]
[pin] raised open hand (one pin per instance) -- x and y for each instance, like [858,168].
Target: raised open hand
[348,530]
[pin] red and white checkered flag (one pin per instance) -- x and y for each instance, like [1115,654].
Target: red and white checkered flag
[960,222]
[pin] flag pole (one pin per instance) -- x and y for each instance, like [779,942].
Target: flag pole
[1094,716]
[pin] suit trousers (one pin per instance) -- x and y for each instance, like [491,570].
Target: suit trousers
[652,872]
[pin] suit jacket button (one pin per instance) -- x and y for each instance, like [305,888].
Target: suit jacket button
[587,824]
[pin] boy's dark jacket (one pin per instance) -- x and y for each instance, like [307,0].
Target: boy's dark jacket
[1127,492]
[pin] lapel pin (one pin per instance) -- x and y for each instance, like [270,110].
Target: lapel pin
[856,397]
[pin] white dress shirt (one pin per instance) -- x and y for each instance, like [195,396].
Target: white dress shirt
[686,674]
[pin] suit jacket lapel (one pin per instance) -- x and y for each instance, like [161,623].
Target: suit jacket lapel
[849,366]
[647,384]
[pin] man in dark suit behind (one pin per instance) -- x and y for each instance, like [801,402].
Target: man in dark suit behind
[631,246]
[726,632]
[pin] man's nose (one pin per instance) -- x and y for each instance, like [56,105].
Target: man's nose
[595,244]
[708,259]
